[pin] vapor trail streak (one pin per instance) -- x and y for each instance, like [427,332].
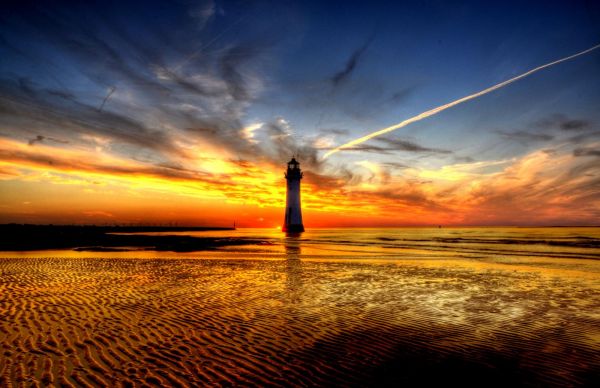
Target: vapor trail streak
[439,109]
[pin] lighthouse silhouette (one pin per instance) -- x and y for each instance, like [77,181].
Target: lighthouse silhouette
[293,211]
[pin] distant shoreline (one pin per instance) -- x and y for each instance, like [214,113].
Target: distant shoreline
[19,237]
[119,228]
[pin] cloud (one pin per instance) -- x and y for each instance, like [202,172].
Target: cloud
[570,125]
[462,171]
[584,137]
[392,145]
[334,131]
[409,146]
[95,214]
[463,159]
[367,148]
[110,92]
[322,182]
[203,13]
[233,64]
[248,132]
[32,109]
[514,191]
[525,136]
[351,63]
[396,165]
[553,128]
[562,122]
[40,138]
[586,152]
[157,110]
[82,162]
[527,189]
[281,144]
[404,196]
[401,95]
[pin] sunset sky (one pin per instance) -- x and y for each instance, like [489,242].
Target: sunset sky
[187,112]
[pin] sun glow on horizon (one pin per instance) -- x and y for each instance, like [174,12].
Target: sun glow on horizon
[142,192]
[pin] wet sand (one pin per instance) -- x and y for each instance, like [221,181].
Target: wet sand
[293,321]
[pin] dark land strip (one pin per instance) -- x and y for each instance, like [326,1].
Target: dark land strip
[17,237]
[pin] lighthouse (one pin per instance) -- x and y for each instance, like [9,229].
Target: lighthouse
[293,211]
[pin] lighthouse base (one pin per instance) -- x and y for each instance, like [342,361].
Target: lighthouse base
[293,228]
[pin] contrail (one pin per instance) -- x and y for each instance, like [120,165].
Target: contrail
[439,109]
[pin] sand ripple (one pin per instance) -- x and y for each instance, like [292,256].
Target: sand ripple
[181,322]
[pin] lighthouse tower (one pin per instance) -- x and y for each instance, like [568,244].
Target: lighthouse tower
[293,211]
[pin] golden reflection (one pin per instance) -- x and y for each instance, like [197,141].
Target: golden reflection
[293,267]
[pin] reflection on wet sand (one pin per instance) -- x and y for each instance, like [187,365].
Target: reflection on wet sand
[293,268]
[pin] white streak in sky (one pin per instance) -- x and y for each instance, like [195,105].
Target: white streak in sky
[439,109]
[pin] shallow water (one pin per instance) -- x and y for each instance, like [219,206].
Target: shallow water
[493,306]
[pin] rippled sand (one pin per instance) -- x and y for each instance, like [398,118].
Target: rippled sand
[298,321]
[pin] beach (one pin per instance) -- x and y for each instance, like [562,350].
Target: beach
[329,307]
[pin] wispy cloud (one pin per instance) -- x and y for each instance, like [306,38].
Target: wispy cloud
[563,122]
[588,151]
[392,145]
[525,136]
[351,64]
[398,144]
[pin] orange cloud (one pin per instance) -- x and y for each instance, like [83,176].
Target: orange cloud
[72,185]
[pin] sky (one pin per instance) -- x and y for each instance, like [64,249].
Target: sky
[186,112]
